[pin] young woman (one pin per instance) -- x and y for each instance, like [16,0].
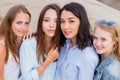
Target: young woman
[12,29]
[107,44]
[78,58]
[38,54]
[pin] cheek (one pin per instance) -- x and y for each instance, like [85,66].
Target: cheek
[55,29]
[44,29]
[76,30]
[61,27]
[26,28]
[94,42]
[14,28]
[111,44]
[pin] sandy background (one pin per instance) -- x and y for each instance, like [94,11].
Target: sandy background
[95,9]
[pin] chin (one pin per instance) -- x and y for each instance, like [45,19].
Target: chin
[51,36]
[99,52]
[67,36]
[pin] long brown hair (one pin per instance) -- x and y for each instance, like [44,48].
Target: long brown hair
[6,30]
[40,36]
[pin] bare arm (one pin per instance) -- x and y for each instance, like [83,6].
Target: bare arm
[52,56]
[2,61]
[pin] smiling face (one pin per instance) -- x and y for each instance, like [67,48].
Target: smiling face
[103,41]
[49,23]
[20,24]
[69,24]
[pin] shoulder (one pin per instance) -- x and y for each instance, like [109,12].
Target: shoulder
[90,56]
[111,75]
[90,53]
[113,69]
[89,49]
[28,48]
[2,41]
[29,41]
[2,50]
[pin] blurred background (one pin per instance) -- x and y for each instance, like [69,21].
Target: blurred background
[113,3]
[108,9]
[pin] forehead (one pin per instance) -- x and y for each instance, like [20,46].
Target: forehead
[67,14]
[22,16]
[50,12]
[101,33]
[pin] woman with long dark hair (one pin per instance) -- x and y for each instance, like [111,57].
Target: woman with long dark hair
[38,55]
[78,58]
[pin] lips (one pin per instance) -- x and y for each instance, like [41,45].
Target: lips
[21,32]
[67,32]
[51,31]
[98,48]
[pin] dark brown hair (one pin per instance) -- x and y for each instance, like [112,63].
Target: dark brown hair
[40,36]
[84,38]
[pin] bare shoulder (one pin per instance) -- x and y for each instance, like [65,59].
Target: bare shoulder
[2,48]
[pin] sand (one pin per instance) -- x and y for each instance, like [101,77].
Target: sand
[95,9]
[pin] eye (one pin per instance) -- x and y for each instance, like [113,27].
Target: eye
[27,23]
[46,20]
[61,21]
[94,38]
[19,22]
[103,39]
[71,21]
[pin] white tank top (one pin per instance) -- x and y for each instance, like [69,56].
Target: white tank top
[11,68]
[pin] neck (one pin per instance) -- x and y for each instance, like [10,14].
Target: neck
[49,43]
[73,43]
[18,41]
[104,56]
[48,40]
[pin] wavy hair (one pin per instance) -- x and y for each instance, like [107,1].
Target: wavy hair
[7,32]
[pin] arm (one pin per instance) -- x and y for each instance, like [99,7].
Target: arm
[89,63]
[110,77]
[2,61]
[111,73]
[28,61]
[52,55]
[30,68]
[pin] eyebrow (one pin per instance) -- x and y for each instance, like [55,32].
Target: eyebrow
[48,17]
[69,18]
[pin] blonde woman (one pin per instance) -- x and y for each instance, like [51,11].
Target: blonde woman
[107,44]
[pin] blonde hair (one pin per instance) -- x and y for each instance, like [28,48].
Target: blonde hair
[115,32]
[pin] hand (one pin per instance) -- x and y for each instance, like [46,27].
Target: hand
[28,35]
[53,54]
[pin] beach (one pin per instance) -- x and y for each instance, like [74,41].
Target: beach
[95,9]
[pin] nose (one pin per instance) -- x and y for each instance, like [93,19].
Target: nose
[65,25]
[24,26]
[98,42]
[52,24]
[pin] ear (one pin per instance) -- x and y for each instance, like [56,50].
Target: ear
[115,40]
